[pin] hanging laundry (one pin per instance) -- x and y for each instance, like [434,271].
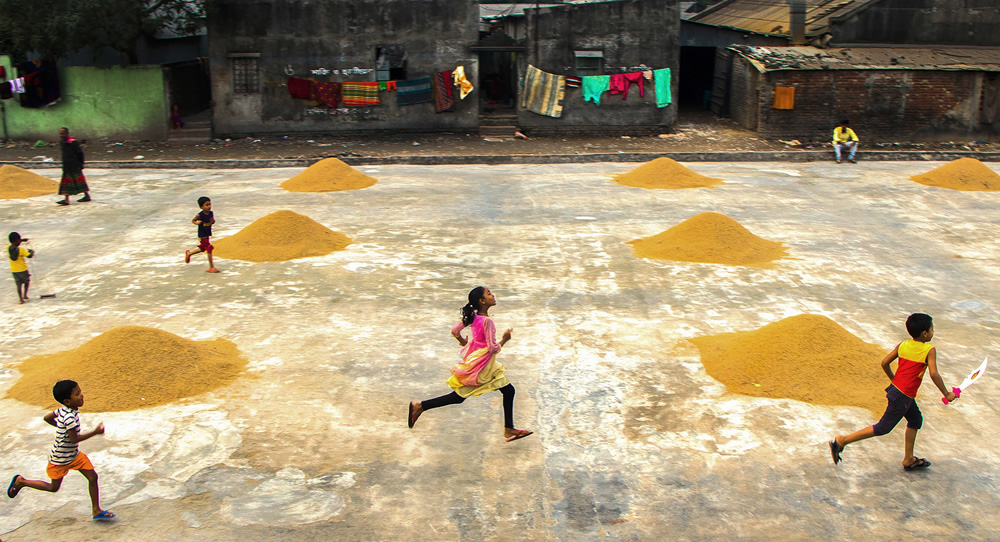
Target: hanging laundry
[573,81]
[617,84]
[634,77]
[414,91]
[300,88]
[40,82]
[661,83]
[3,72]
[5,92]
[460,81]
[390,85]
[359,94]
[17,85]
[326,93]
[543,92]
[648,74]
[441,85]
[593,86]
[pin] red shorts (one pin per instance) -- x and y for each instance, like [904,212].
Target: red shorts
[205,246]
[81,462]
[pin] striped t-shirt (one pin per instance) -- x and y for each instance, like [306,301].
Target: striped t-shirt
[64,451]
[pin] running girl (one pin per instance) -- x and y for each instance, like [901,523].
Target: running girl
[479,372]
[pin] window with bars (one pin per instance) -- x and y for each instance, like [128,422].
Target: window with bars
[589,62]
[246,73]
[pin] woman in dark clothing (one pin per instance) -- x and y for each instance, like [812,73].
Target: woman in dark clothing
[73,182]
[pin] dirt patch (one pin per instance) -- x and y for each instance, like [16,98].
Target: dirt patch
[665,173]
[709,238]
[17,183]
[967,174]
[807,358]
[281,236]
[131,367]
[328,175]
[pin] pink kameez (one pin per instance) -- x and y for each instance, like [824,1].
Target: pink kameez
[479,372]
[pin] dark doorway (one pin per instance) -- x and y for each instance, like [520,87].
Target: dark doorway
[498,80]
[697,71]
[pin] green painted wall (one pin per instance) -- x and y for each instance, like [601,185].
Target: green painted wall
[118,102]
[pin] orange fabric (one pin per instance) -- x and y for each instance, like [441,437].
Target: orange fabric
[784,97]
[82,462]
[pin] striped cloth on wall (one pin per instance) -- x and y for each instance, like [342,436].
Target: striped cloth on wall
[442,86]
[359,94]
[543,92]
[414,91]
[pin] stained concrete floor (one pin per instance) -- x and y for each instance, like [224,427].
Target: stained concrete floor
[633,440]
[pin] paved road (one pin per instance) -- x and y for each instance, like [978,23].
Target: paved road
[633,440]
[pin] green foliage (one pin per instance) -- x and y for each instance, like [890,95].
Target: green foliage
[54,28]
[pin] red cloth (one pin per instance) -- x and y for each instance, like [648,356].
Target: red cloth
[634,77]
[327,93]
[441,86]
[617,84]
[300,88]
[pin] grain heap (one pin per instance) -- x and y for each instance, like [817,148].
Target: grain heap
[17,183]
[328,175]
[665,173]
[806,357]
[281,236]
[709,238]
[131,367]
[967,174]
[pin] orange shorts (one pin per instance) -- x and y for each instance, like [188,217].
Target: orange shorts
[81,462]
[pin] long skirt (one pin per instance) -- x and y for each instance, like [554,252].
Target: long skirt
[73,184]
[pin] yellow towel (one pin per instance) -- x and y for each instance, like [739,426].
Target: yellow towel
[784,97]
[458,76]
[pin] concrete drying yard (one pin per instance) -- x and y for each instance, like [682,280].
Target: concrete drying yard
[633,440]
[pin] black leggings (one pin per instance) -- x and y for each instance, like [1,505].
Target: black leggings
[454,399]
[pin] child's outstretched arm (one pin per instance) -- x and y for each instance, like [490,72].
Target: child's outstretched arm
[76,436]
[936,376]
[887,362]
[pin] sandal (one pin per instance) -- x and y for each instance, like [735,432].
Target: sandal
[919,463]
[521,433]
[11,490]
[411,419]
[835,450]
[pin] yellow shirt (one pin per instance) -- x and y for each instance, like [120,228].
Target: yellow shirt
[20,264]
[843,135]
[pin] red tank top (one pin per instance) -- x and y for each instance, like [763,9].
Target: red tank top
[912,364]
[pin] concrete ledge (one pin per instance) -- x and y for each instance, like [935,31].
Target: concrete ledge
[728,156]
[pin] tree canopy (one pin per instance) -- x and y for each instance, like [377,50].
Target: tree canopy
[55,28]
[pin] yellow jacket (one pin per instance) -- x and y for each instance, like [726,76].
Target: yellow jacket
[843,135]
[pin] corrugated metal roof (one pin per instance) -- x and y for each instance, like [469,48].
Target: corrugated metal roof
[772,16]
[871,58]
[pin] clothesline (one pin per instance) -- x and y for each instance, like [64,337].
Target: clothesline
[543,92]
[438,88]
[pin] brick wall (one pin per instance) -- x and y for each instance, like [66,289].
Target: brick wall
[882,105]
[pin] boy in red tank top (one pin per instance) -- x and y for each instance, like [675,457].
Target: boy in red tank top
[915,357]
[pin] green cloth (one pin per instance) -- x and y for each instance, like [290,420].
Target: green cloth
[661,80]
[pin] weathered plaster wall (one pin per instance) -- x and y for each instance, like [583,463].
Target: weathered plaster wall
[937,22]
[114,102]
[298,36]
[634,35]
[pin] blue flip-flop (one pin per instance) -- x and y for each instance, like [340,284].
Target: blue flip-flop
[11,490]
[105,515]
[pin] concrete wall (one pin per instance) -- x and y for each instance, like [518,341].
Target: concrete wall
[633,35]
[298,36]
[937,22]
[114,102]
[882,105]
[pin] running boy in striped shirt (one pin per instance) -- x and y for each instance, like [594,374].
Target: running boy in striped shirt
[65,455]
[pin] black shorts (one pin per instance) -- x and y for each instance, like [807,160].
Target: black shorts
[900,406]
[21,277]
